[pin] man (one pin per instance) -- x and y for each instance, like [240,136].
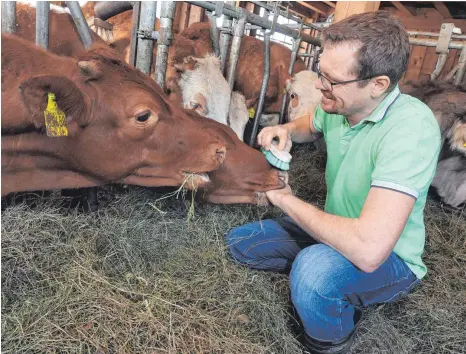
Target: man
[382,148]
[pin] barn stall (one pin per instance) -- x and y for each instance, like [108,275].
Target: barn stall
[149,272]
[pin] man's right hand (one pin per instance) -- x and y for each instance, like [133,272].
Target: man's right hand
[267,134]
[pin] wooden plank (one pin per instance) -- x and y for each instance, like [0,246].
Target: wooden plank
[430,61]
[441,7]
[184,18]
[407,10]
[416,60]
[196,14]
[346,9]
[329,3]
[315,6]
[176,21]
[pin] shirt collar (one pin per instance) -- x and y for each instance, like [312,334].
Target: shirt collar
[380,111]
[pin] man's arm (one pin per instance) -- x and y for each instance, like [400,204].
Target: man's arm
[366,241]
[300,130]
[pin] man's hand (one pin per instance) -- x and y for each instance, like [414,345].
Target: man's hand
[274,196]
[267,134]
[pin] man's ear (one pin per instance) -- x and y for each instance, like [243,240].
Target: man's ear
[381,85]
[34,96]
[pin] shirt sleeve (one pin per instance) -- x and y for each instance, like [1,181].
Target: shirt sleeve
[318,120]
[406,157]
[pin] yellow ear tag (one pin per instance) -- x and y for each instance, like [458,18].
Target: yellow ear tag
[464,145]
[284,91]
[55,119]
[252,112]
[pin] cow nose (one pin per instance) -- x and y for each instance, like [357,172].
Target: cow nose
[283,176]
[221,152]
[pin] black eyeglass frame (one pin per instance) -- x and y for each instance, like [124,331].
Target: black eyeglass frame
[320,76]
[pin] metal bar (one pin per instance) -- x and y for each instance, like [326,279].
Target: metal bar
[42,24]
[265,82]
[107,9]
[225,39]
[294,53]
[258,20]
[442,59]
[235,49]
[80,22]
[433,34]
[8,16]
[214,34]
[145,47]
[433,43]
[460,74]
[134,28]
[304,54]
[166,36]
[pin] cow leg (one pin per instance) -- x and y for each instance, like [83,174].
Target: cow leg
[85,199]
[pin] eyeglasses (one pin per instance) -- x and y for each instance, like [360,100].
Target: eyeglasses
[328,84]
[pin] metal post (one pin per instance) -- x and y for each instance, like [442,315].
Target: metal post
[265,82]
[238,34]
[145,47]
[213,28]
[166,36]
[294,53]
[225,39]
[134,39]
[42,24]
[442,48]
[80,22]
[461,67]
[8,16]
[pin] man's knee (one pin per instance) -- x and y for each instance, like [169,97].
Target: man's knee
[242,240]
[316,273]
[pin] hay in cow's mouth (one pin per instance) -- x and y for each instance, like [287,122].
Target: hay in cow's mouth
[137,277]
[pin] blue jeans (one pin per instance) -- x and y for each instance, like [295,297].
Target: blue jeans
[327,290]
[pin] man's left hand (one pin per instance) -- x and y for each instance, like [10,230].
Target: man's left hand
[274,196]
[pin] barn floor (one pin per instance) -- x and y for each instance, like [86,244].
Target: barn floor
[146,275]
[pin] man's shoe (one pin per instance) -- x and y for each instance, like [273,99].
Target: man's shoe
[342,346]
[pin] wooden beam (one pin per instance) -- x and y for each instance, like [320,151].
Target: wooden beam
[184,17]
[196,14]
[329,3]
[315,6]
[404,9]
[346,9]
[441,7]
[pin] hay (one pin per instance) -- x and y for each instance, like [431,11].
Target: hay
[138,277]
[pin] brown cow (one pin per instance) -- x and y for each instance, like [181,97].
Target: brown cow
[115,136]
[63,36]
[250,67]
[120,124]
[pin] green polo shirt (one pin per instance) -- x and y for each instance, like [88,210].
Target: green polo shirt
[395,147]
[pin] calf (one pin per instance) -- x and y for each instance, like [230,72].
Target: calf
[304,97]
[119,124]
[250,67]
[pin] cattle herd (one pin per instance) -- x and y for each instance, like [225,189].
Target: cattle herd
[121,127]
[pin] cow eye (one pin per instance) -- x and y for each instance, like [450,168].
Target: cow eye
[293,96]
[194,105]
[143,117]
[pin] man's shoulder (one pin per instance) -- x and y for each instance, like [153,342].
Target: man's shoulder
[409,112]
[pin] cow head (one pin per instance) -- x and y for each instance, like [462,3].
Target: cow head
[243,177]
[304,97]
[121,126]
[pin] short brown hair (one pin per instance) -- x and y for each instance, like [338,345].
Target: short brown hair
[384,44]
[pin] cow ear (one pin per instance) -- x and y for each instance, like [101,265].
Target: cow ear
[90,70]
[189,63]
[34,94]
